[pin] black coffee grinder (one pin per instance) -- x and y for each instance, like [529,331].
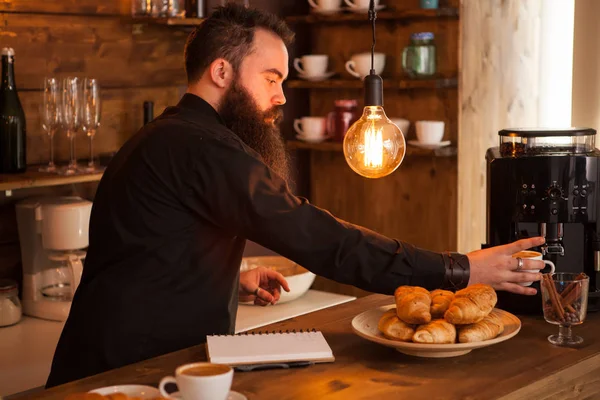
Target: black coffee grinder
[546,183]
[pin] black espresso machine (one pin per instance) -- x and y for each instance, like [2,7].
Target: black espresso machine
[546,183]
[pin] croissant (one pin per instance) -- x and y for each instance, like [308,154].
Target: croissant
[440,301]
[437,331]
[393,328]
[471,305]
[413,304]
[486,329]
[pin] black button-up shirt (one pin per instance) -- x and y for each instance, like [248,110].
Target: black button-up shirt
[167,232]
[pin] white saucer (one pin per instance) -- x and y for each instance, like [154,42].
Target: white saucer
[325,12]
[430,146]
[317,78]
[365,10]
[141,391]
[233,395]
[312,139]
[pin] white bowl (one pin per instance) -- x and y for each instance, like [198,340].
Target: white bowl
[299,283]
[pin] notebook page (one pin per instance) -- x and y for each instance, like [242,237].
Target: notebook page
[265,348]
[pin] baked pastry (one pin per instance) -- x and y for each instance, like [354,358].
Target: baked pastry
[486,329]
[440,301]
[393,328]
[471,305]
[437,331]
[413,304]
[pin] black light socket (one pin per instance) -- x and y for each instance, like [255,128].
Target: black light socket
[373,90]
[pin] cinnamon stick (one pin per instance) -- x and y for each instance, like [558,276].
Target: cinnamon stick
[572,285]
[571,297]
[554,298]
[571,309]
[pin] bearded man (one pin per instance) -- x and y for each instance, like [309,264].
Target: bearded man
[176,204]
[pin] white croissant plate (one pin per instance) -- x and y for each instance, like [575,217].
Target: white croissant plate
[365,326]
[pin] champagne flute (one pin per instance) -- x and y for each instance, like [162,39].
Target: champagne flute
[51,117]
[71,107]
[91,116]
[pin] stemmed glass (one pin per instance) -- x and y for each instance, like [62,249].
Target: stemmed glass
[51,116]
[71,107]
[91,116]
[565,297]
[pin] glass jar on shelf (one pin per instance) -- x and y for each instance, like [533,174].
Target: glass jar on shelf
[418,58]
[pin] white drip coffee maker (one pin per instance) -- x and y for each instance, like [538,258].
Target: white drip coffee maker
[53,233]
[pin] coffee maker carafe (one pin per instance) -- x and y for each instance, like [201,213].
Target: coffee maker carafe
[53,233]
[545,183]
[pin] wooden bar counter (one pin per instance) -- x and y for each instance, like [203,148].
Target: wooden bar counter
[524,367]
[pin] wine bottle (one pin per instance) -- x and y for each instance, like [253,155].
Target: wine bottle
[148,111]
[12,119]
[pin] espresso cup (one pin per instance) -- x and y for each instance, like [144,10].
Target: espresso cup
[360,4]
[311,65]
[310,127]
[200,381]
[359,65]
[326,5]
[430,132]
[533,255]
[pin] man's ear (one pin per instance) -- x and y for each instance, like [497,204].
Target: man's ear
[221,73]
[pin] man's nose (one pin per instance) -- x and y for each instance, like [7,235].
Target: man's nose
[279,98]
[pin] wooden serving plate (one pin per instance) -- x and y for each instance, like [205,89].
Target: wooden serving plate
[365,326]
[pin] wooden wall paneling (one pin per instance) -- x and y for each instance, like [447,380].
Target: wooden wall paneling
[122,116]
[498,88]
[103,48]
[106,7]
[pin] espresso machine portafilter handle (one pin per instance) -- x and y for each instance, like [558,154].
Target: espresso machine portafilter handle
[553,233]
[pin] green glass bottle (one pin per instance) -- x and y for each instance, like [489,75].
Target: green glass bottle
[12,119]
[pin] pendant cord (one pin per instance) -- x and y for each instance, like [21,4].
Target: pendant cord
[372,18]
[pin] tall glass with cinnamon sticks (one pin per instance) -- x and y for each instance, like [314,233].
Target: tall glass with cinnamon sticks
[564,297]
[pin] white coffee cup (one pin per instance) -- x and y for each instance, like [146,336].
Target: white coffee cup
[533,255]
[402,123]
[359,65]
[200,381]
[430,132]
[326,5]
[310,127]
[360,4]
[311,65]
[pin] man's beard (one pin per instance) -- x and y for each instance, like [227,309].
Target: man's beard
[258,129]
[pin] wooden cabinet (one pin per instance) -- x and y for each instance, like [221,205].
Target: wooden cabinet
[418,202]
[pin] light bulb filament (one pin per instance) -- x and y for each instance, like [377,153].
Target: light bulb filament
[373,147]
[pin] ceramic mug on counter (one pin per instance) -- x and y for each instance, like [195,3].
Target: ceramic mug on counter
[311,65]
[200,381]
[430,132]
[533,255]
[359,65]
[360,4]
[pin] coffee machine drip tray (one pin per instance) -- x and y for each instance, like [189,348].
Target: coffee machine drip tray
[532,142]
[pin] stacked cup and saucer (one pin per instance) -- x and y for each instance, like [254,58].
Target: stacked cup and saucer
[430,135]
[325,7]
[311,129]
[313,67]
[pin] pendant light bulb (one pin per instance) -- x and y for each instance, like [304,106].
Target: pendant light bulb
[374,146]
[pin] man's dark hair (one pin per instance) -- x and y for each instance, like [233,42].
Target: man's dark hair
[228,33]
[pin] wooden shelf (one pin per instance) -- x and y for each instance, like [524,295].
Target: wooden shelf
[448,151]
[182,22]
[391,15]
[400,84]
[32,179]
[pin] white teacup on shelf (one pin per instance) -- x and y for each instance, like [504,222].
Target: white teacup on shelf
[359,65]
[312,65]
[360,4]
[325,6]
[402,123]
[430,132]
[310,129]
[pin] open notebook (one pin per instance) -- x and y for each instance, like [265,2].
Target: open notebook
[248,348]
